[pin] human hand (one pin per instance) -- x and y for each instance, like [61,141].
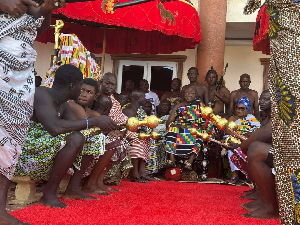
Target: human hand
[16,8]
[233,146]
[105,123]
[50,5]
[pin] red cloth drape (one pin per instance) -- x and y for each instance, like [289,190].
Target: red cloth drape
[157,28]
[261,40]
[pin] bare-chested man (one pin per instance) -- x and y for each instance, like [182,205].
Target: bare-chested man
[202,91]
[53,135]
[217,99]
[173,96]
[244,91]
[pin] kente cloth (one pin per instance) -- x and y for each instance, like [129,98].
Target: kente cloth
[247,124]
[140,148]
[245,101]
[174,101]
[40,150]
[237,161]
[17,86]
[157,154]
[118,171]
[179,141]
[73,52]
[236,157]
[284,82]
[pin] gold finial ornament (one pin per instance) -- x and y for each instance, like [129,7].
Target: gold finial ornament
[144,136]
[59,24]
[232,125]
[155,135]
[133,124]
[153,121]
[206,112]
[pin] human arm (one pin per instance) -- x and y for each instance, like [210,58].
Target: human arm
[231,104]
[223,95]
[263,134]
[45,10]
[205,95]
[77,111]
[46,113]
[164,96]
[256,106]
[16,8]
[173,114]
[182,93]
[129,112]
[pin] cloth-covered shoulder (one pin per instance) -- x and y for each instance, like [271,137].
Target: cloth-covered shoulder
[252,6]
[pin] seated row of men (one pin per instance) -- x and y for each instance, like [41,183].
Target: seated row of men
[54,143]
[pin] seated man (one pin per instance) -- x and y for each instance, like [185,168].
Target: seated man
[246,123]
[260,164]
[52,143]
[118,151]
[124,98]
[139,149]
[244,91]
[157,154]
[186,115]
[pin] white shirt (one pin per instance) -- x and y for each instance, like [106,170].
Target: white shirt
[153,98]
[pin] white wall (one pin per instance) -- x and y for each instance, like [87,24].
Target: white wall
[235,9]
[242,59]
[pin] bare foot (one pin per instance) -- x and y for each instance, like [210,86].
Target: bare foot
[262,213]
[51,201]
[252,196]
[76,194]
[104,187]
[94,189]
[249,192]
[7,219]
[253,205]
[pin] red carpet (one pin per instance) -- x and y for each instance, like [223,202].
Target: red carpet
[154,203]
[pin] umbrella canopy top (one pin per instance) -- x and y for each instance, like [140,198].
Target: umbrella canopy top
[148,28]
[178,18]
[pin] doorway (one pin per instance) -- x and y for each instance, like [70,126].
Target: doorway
[158,74]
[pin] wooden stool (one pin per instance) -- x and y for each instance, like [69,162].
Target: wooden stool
[25,191]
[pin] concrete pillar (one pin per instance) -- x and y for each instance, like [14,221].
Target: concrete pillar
[212,47]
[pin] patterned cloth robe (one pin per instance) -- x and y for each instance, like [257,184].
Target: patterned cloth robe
[179,141]
[157,154]
[17,86]
[40,150]
[284,83]
[236,157]
[140,148]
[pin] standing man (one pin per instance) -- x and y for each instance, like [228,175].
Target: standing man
[217,99]
[150,96]
[173,96]
[244,91]
[202,92]
[20,21]
[129,86]
[284,83]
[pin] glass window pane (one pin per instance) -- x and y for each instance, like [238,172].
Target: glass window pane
[134,73]
[161,78]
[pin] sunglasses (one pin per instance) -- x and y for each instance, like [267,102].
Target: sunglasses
[240,108]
